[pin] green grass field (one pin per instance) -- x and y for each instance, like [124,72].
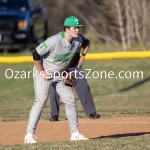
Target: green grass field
[125,143]
[17,97]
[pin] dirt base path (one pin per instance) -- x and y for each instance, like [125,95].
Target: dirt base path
[14,132]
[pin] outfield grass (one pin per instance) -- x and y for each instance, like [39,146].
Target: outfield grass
[124,143]
[17,95]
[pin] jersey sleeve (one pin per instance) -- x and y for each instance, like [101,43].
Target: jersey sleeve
[46,46]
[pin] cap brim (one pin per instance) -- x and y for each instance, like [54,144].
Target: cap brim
[79,25]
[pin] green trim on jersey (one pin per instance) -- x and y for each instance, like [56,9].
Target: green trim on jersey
[63,57]
[43,45]
[62,35]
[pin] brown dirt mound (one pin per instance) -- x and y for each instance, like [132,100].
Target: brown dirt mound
[14,132]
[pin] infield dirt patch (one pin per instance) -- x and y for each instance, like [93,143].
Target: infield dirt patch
[14,132]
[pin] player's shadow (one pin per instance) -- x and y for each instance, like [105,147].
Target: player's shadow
[122,135]
[135,85]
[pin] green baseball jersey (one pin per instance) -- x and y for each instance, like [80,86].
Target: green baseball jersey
[57,52]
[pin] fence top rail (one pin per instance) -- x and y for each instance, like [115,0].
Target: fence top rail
[89,56]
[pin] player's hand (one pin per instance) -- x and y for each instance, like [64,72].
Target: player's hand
[45,75]
[81,61]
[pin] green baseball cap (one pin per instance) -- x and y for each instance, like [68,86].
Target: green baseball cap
[72,21]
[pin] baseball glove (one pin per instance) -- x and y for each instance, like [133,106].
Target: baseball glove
[69,79]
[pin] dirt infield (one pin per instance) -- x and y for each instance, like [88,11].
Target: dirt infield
[14,132]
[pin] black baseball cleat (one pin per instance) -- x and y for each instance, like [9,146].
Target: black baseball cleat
[54,118]
[94,116]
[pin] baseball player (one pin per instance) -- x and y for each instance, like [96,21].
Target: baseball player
[57,52]
[82,88]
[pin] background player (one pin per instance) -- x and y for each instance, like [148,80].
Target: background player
[82,89]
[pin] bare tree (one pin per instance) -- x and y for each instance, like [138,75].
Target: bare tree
[128,23]
[114,22]
[121,28]
[136,24]
[144,21]
[94,22]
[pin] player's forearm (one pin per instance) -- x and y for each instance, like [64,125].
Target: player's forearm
[39,65]
[85,50]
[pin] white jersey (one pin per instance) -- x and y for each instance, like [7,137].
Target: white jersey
[57,52]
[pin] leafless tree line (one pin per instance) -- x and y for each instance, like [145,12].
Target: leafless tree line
[110,21]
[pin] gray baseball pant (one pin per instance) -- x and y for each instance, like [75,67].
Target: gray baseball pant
[42,88]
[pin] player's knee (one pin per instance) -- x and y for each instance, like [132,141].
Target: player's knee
[39,104]
[70,102]
[41,101]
